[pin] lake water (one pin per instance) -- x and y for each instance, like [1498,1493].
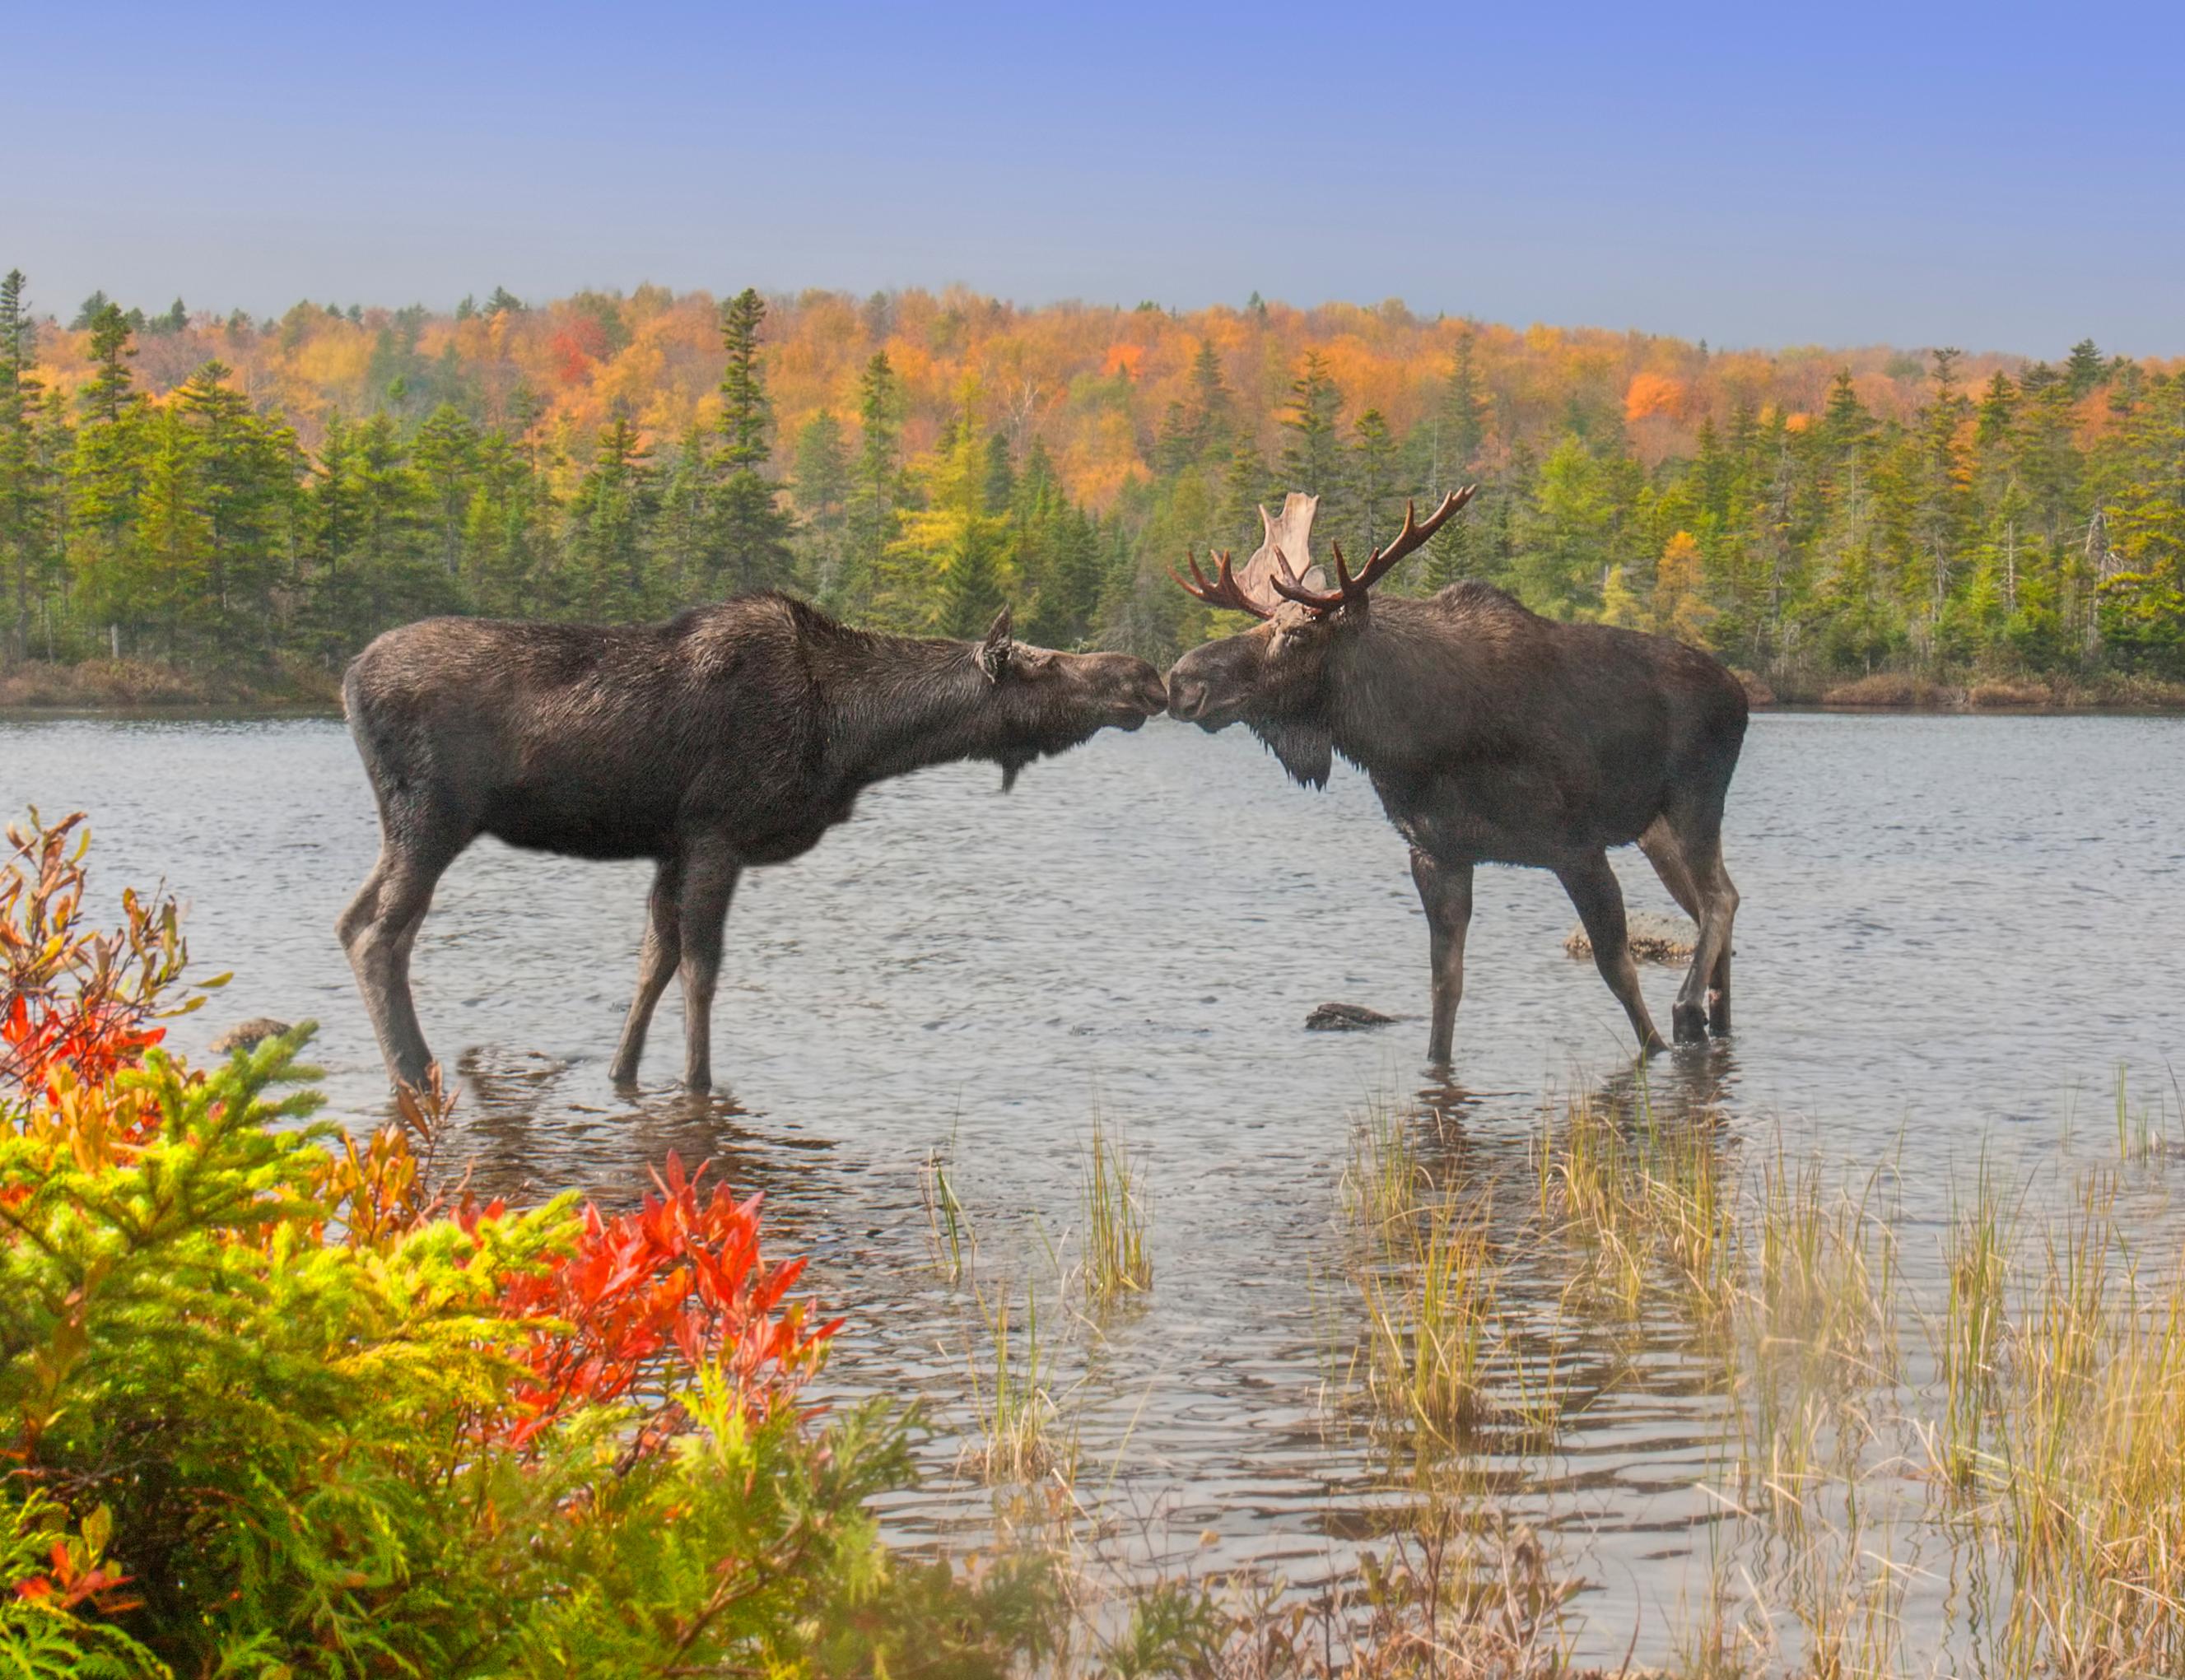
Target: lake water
[1955,931]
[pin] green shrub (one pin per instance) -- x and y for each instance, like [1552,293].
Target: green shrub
[270,1407]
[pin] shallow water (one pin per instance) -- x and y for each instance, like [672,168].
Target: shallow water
[1955,931]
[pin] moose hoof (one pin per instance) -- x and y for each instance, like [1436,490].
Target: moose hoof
[1689,1023]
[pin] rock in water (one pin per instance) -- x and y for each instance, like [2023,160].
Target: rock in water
[1654,939]
[1345,1018]
[249,1034]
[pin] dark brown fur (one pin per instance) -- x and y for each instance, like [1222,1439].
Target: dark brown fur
[734,735]
[1494,735]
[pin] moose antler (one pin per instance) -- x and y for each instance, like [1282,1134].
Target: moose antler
[1224,591]
[1377,564]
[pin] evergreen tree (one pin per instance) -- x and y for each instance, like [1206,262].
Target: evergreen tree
[246,472]
[446,453]
[821,482]
[1212,420]
[1380,488]
[610,518]
[2083,369]
[104,482]
[752,529]
[876,489]
[26,532]
[1312,453]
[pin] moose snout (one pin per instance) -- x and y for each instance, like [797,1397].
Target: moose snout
[1187,697]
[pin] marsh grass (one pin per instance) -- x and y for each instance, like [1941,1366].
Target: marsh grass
[1118,1261]
[1020,1422]
[949,1236]
[2011,1500]
[1635,1196]
[1431,1325]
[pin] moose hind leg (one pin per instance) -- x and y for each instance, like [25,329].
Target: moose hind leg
[1665,850]
[1594,890]
[378,930]
[1709,980]
[1445,892]
[709,883]
[656,964]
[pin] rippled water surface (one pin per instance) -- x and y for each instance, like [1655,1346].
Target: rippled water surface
[1955,930]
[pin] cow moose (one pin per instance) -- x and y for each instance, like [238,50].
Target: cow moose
[1492,735]
[732,736]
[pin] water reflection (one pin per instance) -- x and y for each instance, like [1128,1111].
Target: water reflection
[957,975]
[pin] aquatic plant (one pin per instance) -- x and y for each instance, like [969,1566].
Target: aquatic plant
[1117,1259]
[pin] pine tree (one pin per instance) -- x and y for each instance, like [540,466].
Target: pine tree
[2083,369]
[104,477]
[1460,421]
[609,519]
[822,486]
[111,390]
[246,477]
[752,529]
[170,579]
[24,517]
[1212,420]
[876,487]
[446,453]
[1313,456]
[1244,489]
[1376,473]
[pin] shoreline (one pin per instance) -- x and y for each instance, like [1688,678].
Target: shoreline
[145,689]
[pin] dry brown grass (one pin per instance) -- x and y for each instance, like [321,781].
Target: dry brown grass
[1757,691]
[1887,688]
[155,682]
[1998,692]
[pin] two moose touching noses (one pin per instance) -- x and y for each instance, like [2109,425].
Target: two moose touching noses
[738,733]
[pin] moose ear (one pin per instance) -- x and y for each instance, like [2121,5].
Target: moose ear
[994,652]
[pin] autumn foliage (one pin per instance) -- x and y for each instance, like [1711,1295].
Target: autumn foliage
[273,1399]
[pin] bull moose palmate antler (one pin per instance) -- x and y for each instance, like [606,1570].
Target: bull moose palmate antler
[1378,564]
[1273,575]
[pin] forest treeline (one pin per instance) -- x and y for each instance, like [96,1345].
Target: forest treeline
[238,493]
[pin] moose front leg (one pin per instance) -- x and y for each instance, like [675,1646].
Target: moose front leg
[1593,889]
[1445,892]
[709,883]
[656,966]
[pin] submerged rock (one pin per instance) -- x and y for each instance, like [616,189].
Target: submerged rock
[1654,939]
[249,1034]
[1345,1018]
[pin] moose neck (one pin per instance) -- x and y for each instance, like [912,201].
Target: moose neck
[1394,691]
[898,703]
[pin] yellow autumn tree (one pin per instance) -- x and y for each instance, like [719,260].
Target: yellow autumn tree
[1680,604]
[953,535]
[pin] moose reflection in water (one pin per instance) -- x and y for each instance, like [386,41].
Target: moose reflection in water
[735,734]
[1492,735]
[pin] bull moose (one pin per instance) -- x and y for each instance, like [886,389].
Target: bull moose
[1492,735]
[734,735]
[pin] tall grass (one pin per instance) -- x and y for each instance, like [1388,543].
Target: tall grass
[1019,1420]
[1117,1262]
[1430,1322]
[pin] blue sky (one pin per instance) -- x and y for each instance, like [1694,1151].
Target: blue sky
[2010,177]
